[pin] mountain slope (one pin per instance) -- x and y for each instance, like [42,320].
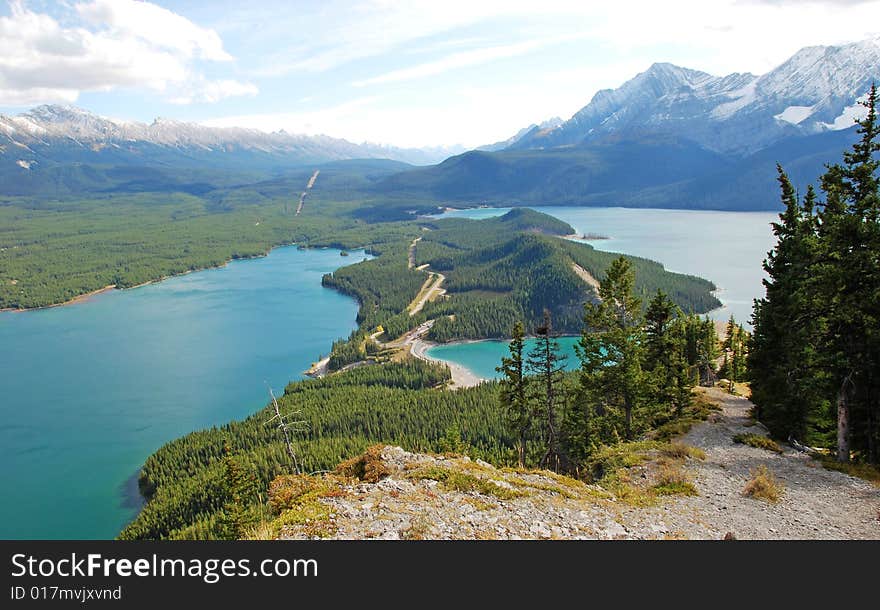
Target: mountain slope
[815,91]
[633,171]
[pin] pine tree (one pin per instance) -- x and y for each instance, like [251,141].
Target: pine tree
[611,347]
[241,488]
[849,233]
[785,324]
[513,396]
[684,379]
[548,365]
[660,350]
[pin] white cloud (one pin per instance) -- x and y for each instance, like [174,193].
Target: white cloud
[457,60]
[721,36]
[155,25]
[206,91]
[114,44]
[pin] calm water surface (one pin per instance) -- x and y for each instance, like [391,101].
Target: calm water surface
[88,391]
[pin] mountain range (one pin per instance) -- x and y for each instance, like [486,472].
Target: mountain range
[669,137]
[673,137]
[51,134]
[813,92]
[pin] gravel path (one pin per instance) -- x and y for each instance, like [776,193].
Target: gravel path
[816,503]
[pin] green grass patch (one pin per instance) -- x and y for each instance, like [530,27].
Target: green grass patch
[461,481]
[758,441]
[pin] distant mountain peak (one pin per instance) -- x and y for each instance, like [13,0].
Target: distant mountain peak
[815,90]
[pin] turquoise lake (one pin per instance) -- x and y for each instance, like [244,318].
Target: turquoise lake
[481,357]
[727,248]
[90,390]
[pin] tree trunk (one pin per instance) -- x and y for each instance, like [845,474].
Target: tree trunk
[627,407]
[521,450]
[843,421]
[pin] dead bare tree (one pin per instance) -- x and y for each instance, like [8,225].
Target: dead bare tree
[286,428]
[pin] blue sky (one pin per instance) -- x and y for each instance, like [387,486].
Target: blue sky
[419,73]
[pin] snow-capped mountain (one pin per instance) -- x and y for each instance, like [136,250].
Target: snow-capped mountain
[56,133]
[815,91]
[547,125]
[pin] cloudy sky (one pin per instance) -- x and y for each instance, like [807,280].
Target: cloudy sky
[414,73]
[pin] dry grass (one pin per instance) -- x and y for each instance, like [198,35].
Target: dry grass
[419,529]
[367,467]
[763,485]
[671,480]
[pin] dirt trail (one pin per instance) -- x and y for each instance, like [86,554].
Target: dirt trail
[430,291]
[586,276]
[302,197]
[816,503]
[411,253]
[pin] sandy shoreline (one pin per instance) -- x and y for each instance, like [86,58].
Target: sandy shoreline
[462,377]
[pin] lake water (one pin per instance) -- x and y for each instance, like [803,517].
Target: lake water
[481,357]
[725,247]
[88,391]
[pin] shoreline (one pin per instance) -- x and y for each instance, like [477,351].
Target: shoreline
[110,287]
[462,377]
[77,299]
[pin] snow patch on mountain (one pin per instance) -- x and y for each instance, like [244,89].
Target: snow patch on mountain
[849,115]
[794,114]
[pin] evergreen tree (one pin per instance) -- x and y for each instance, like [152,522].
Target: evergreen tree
[849,235]
[612,344]
[513,396]
[661,356]
[548,365]
[240,489]
[734,348]
[683,378]
[785,323]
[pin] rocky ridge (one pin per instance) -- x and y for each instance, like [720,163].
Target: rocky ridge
[389,493]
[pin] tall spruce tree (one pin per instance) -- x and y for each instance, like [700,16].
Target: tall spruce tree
[848,268]
[684,378]
[548,365]
[661,361]
[785,323]
[241,490]
[611,347]
[513,396]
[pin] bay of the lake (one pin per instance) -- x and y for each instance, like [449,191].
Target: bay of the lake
[89,390]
